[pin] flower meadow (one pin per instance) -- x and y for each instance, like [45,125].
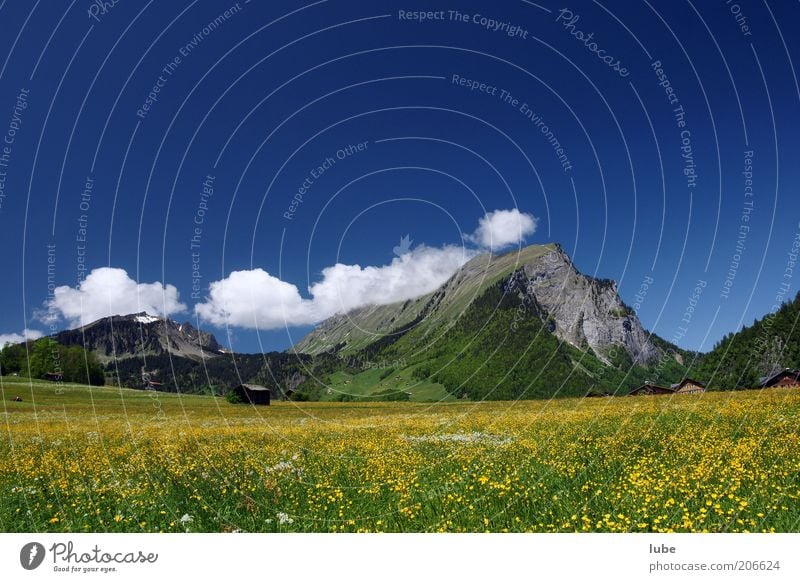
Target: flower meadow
[81,459]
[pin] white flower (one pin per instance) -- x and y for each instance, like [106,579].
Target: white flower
[474,437]
[283,518]
[186,518]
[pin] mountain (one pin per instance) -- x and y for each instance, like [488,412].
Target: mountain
[518,325]
[524,324]
[177,357]
[580,310]
[140,334]
[741,359]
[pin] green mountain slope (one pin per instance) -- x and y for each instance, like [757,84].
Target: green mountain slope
[525,324]
[353,331]
[741,359]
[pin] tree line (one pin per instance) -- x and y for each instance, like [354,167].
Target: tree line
[37,359]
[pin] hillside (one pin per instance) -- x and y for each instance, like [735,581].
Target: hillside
[741,359]
[584,311]
[178,357]
[140,334]
[525,324]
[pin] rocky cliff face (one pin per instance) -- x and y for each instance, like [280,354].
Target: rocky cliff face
[584,311]
[124,336]
[581,310]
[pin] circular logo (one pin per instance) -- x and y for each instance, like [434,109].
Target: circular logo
[31,555]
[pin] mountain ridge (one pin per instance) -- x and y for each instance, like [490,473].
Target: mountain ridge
[141,334]
[522,324]
[578,304]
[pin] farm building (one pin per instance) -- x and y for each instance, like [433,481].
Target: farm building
[54,376]
[649,389]
[688,386]
[253,393]
[786,378]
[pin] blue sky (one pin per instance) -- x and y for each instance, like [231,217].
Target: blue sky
[130,123]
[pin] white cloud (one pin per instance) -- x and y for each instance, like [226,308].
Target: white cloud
[106,291]
[503,228]
[256,299]
[17,338]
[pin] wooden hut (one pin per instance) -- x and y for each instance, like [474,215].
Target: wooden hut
[650,389]
[786,378]
[688,386]
[253,393]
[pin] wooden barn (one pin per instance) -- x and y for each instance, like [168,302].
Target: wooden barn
[650,389]
[688,386]
[253,393]
[786,378]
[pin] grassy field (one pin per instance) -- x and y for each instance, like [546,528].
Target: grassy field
[74,458]
[369,382]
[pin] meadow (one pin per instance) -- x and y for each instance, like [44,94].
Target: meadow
[78,458]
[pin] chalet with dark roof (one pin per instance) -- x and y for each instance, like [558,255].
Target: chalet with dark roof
[688,386]
[786,378]
[650,389]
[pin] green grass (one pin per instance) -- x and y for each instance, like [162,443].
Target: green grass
[369,382]
[75,458]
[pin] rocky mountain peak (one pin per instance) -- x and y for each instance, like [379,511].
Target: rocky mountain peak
[586,311]
[138,334]
[581,310]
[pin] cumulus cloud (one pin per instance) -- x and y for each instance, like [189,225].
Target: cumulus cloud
[256,299]
[17,338]
[503,228]
[107,291]
[414,273]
